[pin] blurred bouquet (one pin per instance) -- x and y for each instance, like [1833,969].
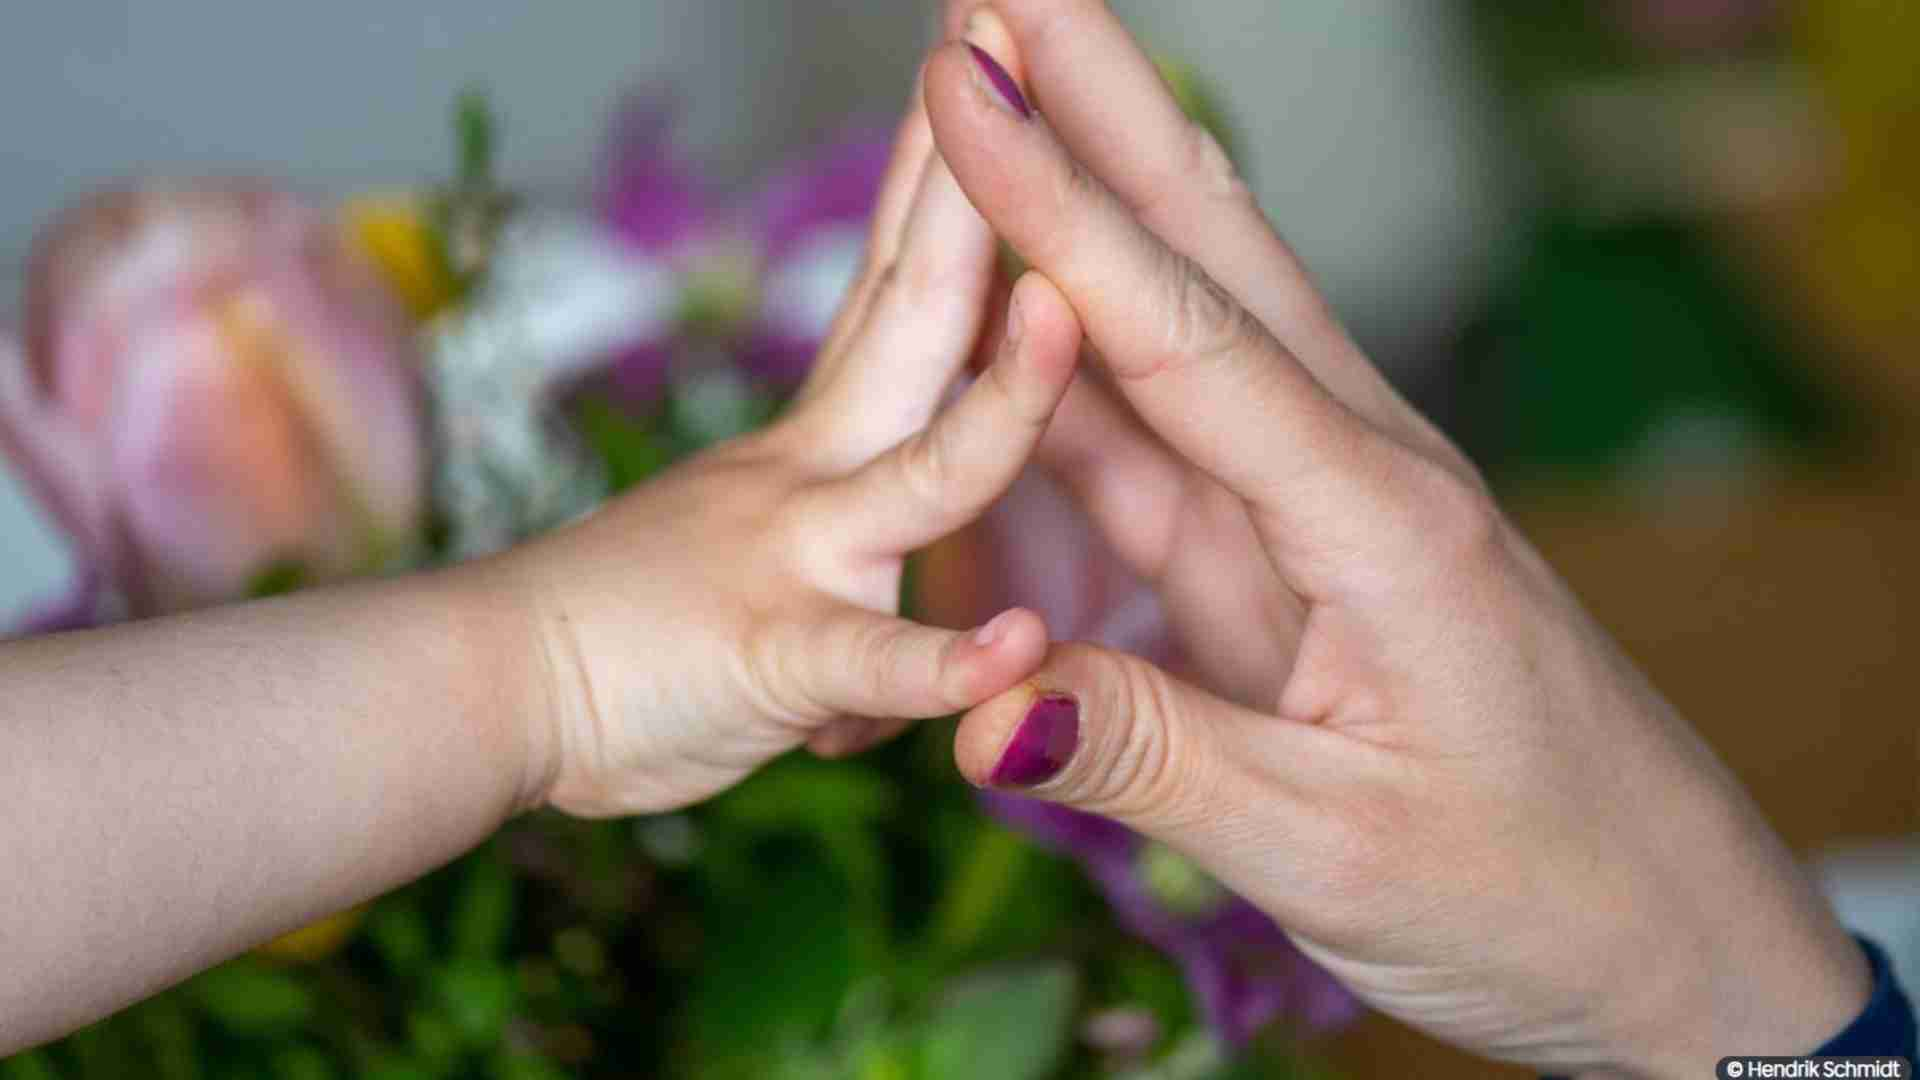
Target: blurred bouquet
[224,392]
[214,392]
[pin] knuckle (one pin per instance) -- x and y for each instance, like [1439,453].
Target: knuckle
[891,661]
[1210,161]
[1203,321]
[1148,773]
[771,672]
[801,548]
[1458,523]
[1199,157]
[924,467]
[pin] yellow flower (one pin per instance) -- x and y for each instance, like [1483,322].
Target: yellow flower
[316,942]
[393,231]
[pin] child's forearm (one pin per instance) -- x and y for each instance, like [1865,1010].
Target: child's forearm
[175,791]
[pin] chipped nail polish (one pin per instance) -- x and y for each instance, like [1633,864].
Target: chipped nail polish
[1003,82]
[1042,745]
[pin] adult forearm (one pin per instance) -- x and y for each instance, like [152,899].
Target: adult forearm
[175,791]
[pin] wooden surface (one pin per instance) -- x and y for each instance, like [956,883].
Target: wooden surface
[1773,618]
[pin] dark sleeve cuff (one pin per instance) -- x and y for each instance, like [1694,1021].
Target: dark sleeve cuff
[1886,1025]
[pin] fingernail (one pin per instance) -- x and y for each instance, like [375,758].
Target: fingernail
[1043,744]
[994,630]
[1016,322]
[1003,82]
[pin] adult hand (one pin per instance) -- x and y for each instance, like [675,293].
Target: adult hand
[743,604]
[1423,758]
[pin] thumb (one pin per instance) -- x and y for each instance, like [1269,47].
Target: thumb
[853,662]
[1111,734]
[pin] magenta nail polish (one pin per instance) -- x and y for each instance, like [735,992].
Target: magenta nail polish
[1042,745]
[1002,81]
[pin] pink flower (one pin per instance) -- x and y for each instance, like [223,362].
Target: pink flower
[213,388]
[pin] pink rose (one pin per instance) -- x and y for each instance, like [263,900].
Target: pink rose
[213,387]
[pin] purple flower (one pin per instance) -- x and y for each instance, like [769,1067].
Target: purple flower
[647,196]
[1237,961]
[657,211]
[762,280]
[811,226]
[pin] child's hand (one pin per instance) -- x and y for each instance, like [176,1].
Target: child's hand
[743,604]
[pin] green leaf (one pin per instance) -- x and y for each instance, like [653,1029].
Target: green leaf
[167,1030]
[278,579]
[776,972]
[1010,1026]
[29,1066]
[1135,974]
[510,1065]
[580,951]
[400,933]
[483,913]
[301,1063]
[252,999]
[800,793]
[473,127]
[984,884]
[477,996]
[398,1069]
[434,1037]
[629,448]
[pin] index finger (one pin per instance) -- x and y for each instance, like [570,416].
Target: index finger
[1200,370]
[1087,71]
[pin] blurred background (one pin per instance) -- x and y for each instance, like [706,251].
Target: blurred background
[1656,263]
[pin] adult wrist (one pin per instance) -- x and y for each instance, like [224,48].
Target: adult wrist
[1789,999]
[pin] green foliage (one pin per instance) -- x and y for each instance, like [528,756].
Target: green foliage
[1015,1025]
[1604,336]
[631,449]
[250,998]
[474,127]
[277,580]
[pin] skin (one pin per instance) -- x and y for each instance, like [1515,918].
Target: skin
[178,790]
[1413,747]
[1410,732]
